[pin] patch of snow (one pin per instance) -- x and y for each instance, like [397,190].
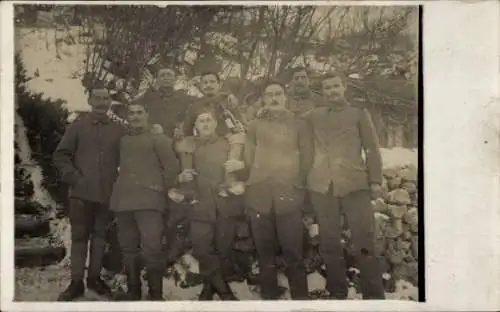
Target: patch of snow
[398,156]
[315,281]
[67,89]
[35,173]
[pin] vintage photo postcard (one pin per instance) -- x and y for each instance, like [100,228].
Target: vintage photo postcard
[195,155]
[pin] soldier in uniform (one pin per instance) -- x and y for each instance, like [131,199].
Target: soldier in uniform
[148,169]
[302,99]
[229,125]
[214,219]
[340,181]
[166,106]
[87,158]
[277,150]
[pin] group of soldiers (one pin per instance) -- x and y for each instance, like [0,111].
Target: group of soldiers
[204,158]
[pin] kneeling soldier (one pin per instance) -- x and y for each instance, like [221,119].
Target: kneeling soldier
[148,168]
[213,219]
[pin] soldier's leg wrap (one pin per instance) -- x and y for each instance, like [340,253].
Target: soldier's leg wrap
[236,144]
[361,222]
[185,149]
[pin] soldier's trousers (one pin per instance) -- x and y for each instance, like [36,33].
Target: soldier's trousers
[213,243]
[89,221]
[140,233]
[175,216]
[272,231]
[358,212]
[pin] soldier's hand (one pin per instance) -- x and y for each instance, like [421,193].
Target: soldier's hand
[156,129]
[233,165]
[376,190]
[178,134]
[186,176]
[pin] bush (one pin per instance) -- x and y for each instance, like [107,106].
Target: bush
[45,122]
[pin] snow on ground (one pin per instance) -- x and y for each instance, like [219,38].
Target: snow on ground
[45,284]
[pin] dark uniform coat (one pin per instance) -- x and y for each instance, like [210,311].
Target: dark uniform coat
[87,157]
[340,135]
[148,169]
[167,109]
[277,156]
[209,156]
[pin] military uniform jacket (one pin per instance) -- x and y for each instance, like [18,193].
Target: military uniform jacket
[301,104]
[167,109]
[148,169]
[87,157]
[277,158]
[340,135]
[210,154]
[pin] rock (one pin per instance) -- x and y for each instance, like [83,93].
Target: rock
[414,228]
[381,221]
[397,211]
[411,216]
[394,255]
[401,271]
[380,245]
[394,229]
[385,189]
[411,187]
[399,197]
[412,268]
[414,199]
[414,246]
[379,205]
[390,173]
[394,183]
[407,234]
[409,173]
[403,244]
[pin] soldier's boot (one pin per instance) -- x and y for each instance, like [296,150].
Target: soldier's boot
[134,291]
[222,288]
[207,293]
[94,281]
[75,290]
[155,283]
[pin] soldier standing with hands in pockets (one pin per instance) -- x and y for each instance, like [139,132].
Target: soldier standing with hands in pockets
[87,158]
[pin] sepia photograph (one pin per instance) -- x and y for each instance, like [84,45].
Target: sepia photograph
[217,152]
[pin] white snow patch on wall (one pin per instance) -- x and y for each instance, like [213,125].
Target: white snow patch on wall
[398,156]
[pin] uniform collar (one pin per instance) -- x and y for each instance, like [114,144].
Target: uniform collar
[98,119]
[136,131]
[302,95]
[275,115]
[207,140]
[166,92]
[337,107]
